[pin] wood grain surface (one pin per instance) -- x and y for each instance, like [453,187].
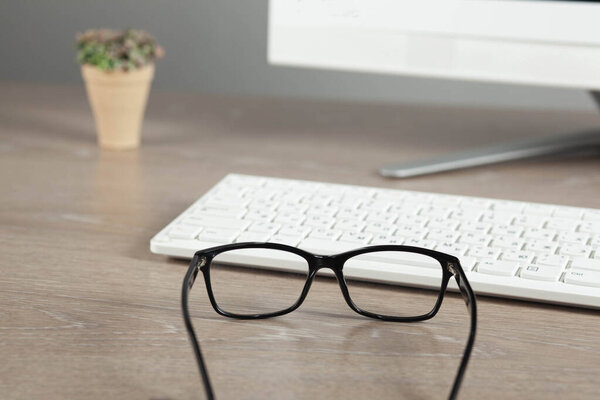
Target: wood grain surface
[87,312]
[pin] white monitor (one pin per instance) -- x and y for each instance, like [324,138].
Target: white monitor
[535,42]
[518,41]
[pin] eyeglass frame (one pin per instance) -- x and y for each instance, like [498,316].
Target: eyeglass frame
[450,265]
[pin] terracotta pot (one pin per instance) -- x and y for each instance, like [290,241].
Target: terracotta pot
[118,100]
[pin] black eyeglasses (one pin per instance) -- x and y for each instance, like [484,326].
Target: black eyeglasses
[267,292]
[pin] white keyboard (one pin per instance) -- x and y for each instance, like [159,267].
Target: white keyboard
[530,251]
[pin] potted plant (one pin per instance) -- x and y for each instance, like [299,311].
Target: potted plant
[117,67]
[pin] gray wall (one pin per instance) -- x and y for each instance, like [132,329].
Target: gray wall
[220,46]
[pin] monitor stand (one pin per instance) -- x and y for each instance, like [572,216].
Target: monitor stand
[519,150]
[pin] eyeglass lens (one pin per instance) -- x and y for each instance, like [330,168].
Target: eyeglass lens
[250,281]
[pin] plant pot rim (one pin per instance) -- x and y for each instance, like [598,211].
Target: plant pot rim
[93,73]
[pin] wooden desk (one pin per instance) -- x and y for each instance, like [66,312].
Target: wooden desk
[87,312]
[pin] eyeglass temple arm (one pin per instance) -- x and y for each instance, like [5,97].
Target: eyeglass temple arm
[470,301]
[188,283]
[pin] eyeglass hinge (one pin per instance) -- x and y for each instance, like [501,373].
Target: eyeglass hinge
[452,269]
[201,263]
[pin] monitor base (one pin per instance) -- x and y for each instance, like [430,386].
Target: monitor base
[519,150]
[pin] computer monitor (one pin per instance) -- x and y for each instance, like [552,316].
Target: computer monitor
[532,42]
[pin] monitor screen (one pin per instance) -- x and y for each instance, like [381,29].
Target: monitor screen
[519,41]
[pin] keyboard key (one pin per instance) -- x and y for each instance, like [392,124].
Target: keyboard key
[289,218]
[575,250]
[262,204]
[260,215]
[288,199]
[353,214]
[264,227]
[358,238]
[582,277]
[326,211]
[496,267]
[406,209]
[319,200]
[327,234]
[230,192]
[318,221]
[380,228]
[586,263]
[541,273]
[538,209]
[224,211]
[350,225]
[552,260]
[539,234]
[226,200]
[389,195]
[387,239]
[506,205]
[417,197]
[425,243]
[541,246]
[252,237]
[380,206]
[184,232]
[591,215]
[507,230]
[563,224]
[321,246]
[573,237]
[522,257]
[443,223]
[590,227]
[483,252]
[568,212]
[508,242]
[348,202]
[477,227]
[218,235]
[412,220]
[530,221]
[452,248]
[497,218]
[215,222]
[286,239]
[442,200]
[443,235]
[472,215]
[288,230]
[474,239]
[414,232]
[435,212]
[381,216]
[470,203]
[468,263]
[292,208]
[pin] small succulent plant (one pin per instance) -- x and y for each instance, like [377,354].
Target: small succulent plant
[117,50]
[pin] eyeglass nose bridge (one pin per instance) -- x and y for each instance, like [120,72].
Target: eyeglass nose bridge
[326,262]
